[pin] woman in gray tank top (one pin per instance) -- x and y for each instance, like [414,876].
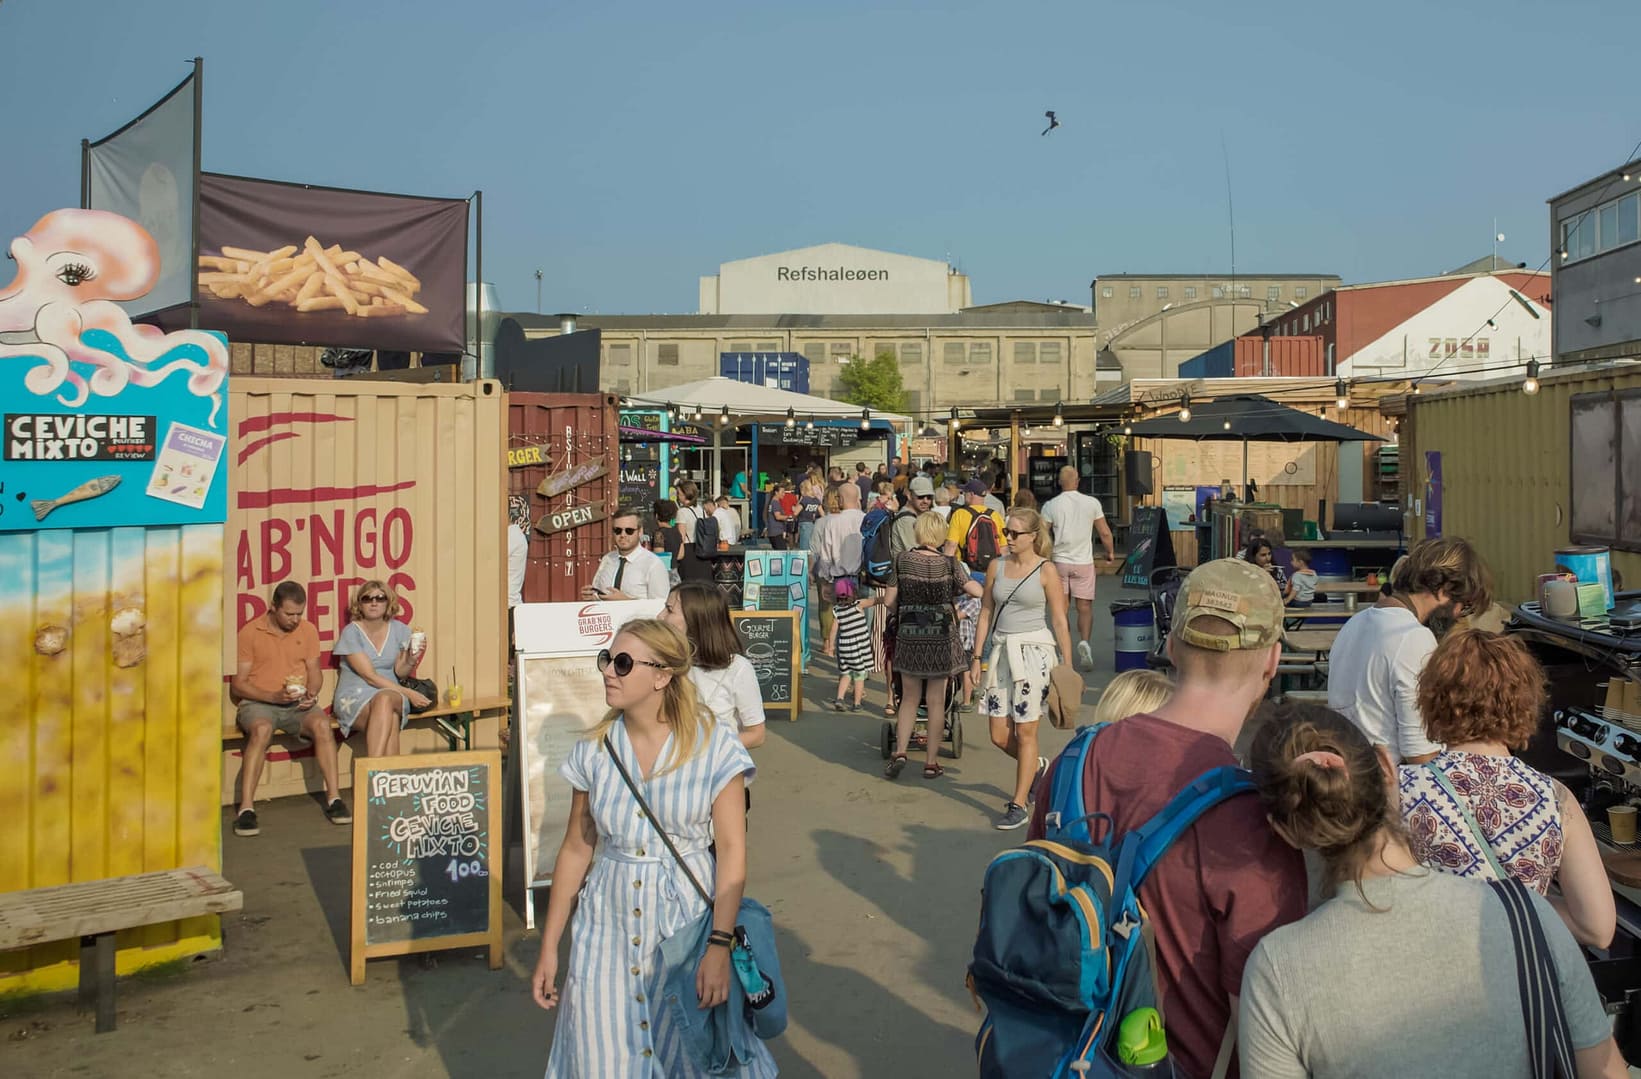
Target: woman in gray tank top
[1022,623]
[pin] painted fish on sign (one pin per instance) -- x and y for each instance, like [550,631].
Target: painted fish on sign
[572,517]
[569,480]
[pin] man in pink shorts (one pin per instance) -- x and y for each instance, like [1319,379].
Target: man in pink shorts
[1075,517]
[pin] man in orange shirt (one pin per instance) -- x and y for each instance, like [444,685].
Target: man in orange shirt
[276,687]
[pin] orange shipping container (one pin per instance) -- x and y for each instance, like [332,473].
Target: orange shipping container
[1290,357]
[335,482]
[571,430]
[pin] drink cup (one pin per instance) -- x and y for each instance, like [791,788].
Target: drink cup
[418,642]
[1621,819]
[456,702]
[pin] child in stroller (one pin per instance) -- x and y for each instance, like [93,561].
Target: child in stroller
[952,723]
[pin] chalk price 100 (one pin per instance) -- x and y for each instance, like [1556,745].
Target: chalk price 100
[459,870]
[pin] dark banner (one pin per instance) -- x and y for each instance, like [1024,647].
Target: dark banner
[145,171]
[293,264]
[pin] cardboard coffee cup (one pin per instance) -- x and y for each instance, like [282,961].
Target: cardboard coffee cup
[1621,819]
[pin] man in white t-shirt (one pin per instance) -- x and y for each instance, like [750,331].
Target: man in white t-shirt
[1075,517]
[729,522]
[1374,667]
[629,571]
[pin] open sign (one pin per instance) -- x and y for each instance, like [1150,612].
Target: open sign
[571,517]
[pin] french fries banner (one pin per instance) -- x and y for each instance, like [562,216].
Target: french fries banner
[292,264]
[103,423]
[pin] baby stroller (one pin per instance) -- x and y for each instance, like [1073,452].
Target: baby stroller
[1165,586]
[952,725]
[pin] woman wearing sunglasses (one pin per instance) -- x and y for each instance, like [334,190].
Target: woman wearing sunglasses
[723,676]
[632,894]
[1022,622]
[373,653]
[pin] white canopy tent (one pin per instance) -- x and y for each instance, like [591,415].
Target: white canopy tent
[748,402]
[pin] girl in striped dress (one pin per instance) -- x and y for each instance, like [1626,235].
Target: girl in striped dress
[614,871]
[851,641]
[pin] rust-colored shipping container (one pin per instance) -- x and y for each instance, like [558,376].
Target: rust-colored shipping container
[574,431]
[1291,357]
[336,482]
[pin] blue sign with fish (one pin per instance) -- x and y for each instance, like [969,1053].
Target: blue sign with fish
[126,441]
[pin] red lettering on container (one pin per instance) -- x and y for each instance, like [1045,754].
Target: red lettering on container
[326,539]
[406,535]
[276,534]
[364,539]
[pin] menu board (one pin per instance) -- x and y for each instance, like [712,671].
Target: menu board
[1149,546]
[779,581]
[771,640]
[426,863]
[640,486]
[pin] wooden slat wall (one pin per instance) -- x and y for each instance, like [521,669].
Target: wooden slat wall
[107,770]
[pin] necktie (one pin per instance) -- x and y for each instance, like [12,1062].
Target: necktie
[620,569]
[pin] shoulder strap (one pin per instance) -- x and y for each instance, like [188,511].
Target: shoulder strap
[1549,1042]
[1067,811]
[626,778]
[1441,780]
[1146,844]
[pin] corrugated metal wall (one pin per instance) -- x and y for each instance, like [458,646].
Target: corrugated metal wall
[110,644]
[1291,357]
[575,429]
[1505,471]
[335,482]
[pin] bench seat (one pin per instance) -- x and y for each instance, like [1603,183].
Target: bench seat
[456,724]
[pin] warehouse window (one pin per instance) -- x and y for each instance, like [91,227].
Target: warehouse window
[1025,352]
[1106,292]
[740,346]
[1025,395]
[1133,292]
[1273,292]
[1190,292]
[914,401]
[815,353]
[1049,395]
[911,353]
[1245,291]
[769,346]
[953,352]
[1300,292]
[841,351]
[1162,292]
[1219,293]
[666,355]
[980,352]
[1606,469]
[1049,352]
[619,355]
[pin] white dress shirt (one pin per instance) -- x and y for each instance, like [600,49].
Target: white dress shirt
[729,525]
[646,577]
[518,558]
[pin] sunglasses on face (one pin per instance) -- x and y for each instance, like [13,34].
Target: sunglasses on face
[1013,535]
[376,597]
[623,663]
[625,531]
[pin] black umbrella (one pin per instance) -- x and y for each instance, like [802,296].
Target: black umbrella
[1249,418]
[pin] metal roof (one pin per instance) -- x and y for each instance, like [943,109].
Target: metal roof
[964,320]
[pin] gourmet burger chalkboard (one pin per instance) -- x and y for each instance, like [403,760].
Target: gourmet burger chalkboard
[426,863]
[771,640]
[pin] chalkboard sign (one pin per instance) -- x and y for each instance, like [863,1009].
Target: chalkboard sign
[640,487]
[426,855]
[1149,546]
[771,640]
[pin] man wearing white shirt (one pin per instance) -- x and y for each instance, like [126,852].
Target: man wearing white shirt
[1075,517]
[629,571]
[729,522]
[1375,663]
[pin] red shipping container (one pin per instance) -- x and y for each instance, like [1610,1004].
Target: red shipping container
[1291,357]
[574,431]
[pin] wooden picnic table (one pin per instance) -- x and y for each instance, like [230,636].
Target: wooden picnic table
[1320,640]
[1340,584]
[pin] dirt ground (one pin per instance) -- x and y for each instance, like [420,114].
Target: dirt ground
[874,887]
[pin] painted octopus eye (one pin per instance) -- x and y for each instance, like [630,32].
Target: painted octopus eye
[75,273]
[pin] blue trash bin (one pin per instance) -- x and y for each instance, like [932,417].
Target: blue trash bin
[1136,633]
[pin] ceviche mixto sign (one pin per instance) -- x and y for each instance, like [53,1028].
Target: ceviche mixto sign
[105,423]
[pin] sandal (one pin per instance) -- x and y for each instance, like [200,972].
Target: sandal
[933,771]
[893,768]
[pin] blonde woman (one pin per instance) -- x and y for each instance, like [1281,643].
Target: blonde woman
[1022,622]
[1133,693]
[627,892]
[373,653]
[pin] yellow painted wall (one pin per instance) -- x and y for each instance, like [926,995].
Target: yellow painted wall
[1505,471]
[108,760]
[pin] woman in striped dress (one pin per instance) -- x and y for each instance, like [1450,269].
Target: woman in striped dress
[627,892]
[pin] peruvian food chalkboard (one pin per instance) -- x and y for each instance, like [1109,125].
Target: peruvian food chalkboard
[426,857]
[771,640]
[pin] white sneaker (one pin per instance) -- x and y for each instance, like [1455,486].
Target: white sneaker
[1085,656]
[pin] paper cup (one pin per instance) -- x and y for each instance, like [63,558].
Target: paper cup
[1621,819]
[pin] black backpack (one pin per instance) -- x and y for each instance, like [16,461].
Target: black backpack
[706,533]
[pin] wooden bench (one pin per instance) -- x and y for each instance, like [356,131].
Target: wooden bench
[95,910]
[456,724]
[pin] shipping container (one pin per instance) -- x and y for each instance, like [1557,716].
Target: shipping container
[575,433]
[1506,468]
[1289,357]
[111,639]
[778,370]
[336,482]
[1215,363]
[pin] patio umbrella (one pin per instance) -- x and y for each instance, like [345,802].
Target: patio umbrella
[1249,418]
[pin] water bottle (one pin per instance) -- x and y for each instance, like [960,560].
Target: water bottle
[760,991]
[1142,1044]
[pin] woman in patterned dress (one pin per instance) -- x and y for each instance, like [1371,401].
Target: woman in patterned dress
[927,646]
[1476,810]
[627,891]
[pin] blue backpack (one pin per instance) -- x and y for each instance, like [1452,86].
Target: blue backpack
[877,546]
[1062,956]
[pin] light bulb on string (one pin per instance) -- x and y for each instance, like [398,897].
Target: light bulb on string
[809,424]
[865,419]
[955,420]
[1185,408]
[1529,386]
[723,416]
[1341,395]
[791,419]
[1059,414]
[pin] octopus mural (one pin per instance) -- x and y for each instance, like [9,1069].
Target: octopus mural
[60,310]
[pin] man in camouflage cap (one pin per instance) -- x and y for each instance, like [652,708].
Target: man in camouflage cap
[1228,880]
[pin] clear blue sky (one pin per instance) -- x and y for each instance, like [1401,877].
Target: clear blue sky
[628,148]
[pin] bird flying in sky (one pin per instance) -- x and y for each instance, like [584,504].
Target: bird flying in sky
[1052,122]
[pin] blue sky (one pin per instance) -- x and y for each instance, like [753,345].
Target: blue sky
[627,148]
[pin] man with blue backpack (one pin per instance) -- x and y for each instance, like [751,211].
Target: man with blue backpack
[1113,942]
